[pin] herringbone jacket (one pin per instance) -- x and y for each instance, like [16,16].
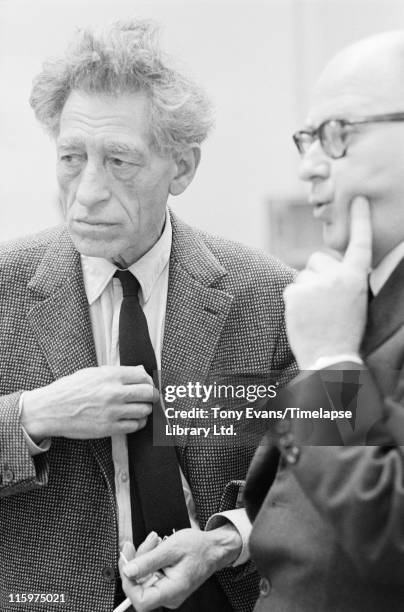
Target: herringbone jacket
[58,521]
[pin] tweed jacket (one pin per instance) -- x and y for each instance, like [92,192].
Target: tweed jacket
[329,531]
[58,520]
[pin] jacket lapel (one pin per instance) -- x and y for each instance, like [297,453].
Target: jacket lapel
[57,310]
[196,309]
[383,343]
[386,311]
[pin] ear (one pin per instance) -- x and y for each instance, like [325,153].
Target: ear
[187,162]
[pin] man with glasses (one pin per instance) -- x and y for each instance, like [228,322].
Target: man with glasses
[329,535]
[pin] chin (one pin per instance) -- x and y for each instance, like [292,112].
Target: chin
[337,241]
[93,248]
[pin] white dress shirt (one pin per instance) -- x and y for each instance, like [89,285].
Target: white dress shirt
[104,294]
[382,272]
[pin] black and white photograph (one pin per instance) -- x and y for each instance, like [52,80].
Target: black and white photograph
[202,305]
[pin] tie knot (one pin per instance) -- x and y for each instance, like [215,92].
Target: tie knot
[130,284]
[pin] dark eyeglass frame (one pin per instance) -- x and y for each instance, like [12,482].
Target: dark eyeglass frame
[303,139]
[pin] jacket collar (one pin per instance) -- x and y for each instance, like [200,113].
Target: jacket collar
[60,263]
[386,312]
[190,252]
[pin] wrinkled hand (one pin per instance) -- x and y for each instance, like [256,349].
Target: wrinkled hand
[129,552]
[187,559]
[91,403]
[326,306]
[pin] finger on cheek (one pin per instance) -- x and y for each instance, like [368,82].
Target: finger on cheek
[359,251]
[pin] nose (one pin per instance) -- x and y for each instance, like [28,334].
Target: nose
[315,164]
[93,187]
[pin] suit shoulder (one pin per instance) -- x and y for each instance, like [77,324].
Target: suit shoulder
[37,241]
[248,265]
[32,242]
[22,255]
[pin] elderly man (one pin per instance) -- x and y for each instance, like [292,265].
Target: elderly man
[126,286]
[329,535]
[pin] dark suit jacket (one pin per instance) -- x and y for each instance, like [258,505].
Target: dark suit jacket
[329,531]
[58,522]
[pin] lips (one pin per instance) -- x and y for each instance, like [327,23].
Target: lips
[322,209]
[94,223]
[321,204]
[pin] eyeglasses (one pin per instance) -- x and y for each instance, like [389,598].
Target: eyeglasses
[333,134]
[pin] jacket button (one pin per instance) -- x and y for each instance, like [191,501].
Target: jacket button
[265,587]
[108,573]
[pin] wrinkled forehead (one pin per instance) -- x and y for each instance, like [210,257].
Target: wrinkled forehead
[356,84]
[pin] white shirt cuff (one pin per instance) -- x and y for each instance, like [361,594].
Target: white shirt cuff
[325,362]
[238,517]
[34,449]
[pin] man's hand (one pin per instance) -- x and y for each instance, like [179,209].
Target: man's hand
[326,306]
[187,559]
[91,403]
[129,552]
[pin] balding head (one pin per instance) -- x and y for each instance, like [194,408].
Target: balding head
[364,79]
[372,69]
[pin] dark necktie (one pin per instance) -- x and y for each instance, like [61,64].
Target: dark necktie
[157,496]
[155,481]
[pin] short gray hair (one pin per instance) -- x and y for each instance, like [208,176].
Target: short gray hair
[125,57]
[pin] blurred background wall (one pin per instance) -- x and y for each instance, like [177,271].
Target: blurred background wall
[258,59]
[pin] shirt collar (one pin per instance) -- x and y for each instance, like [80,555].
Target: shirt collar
[381,273]
[98,272]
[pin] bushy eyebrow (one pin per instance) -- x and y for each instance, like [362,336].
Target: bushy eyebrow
[121,147]
[113,147]
[110,146]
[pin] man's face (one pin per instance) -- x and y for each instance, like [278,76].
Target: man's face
[113,185]
[372,167]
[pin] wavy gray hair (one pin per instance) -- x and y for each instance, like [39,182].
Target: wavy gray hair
[123,58]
